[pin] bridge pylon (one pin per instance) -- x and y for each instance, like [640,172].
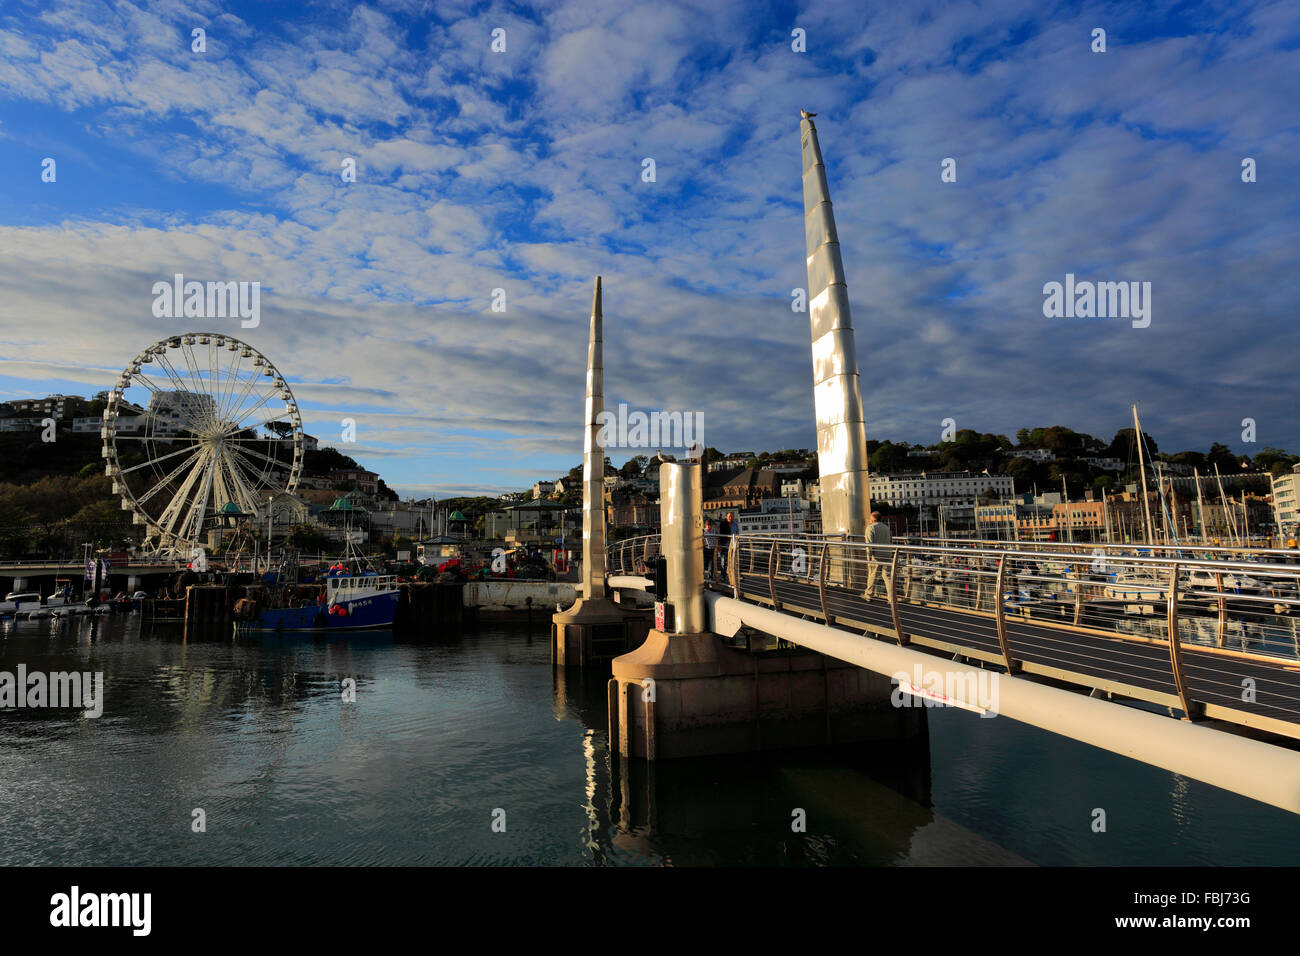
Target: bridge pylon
[837,395]
[595,629]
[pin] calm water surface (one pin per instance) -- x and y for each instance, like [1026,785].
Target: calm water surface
[449,730]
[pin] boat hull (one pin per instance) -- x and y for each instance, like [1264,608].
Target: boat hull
[363,613]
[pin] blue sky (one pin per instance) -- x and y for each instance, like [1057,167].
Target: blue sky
[521,170]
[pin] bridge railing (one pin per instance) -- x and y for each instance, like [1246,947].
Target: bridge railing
[633,555]
[1200,635]
[1203,551]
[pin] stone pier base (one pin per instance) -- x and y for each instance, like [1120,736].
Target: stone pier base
[593,633]
[692,695]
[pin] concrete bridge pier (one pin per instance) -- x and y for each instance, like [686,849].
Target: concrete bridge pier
[686,692]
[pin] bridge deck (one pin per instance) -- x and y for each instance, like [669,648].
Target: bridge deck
[1132,666]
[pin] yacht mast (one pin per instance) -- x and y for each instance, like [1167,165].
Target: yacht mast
[1142,476]
[1200,503]
[1228,516]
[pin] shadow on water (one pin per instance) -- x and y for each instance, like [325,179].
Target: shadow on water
[865,804]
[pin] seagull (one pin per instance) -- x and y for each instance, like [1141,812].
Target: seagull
[806,115]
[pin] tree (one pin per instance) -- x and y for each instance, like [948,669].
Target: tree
[1124,447]
[634,467]
[1222,456]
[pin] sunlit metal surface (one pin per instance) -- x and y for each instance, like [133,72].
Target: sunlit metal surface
[681,490]
[593,461]
[837,398]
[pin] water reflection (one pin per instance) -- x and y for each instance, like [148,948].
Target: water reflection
[448,727]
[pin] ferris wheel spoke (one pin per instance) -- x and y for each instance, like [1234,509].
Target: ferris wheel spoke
[144,380]
[165,481]
[275,462]
[278,416]
[167,520]
[238,423]
[259,477]
[232,382]
[153,461]
[198,509]
[193,416]
[191,363]
[250,502]
[253,380]
[169,372]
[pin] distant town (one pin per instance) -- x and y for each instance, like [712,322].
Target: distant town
[1048,484]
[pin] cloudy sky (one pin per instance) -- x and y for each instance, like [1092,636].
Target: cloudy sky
[522,170]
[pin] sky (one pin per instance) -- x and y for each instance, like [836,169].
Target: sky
[524,169]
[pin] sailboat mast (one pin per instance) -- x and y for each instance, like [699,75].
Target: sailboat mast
[1105,510]
[1229,518]
[1200,503]
[1142,476]
[1069,525]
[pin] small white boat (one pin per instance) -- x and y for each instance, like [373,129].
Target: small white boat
[1136,587]
[16,601]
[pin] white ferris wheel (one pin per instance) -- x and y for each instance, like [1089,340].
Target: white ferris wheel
[199,426]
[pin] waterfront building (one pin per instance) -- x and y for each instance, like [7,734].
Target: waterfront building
[1286,502]
[759,520]
[953,489]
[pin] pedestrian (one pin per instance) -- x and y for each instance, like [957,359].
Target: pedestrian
[725,530]
[877,535]
[710,544]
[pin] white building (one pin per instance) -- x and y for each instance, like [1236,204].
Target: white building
[1286,501]
[178,413]
[20,424]
[544,488]
[953,489]
[1034,454]
[778,521]
[732,461]
[1105,464]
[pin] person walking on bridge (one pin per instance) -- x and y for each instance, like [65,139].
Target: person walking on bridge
[726,528]
[710,544]
[877,535]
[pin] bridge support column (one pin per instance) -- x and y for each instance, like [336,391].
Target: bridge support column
[595,629]
[686,692]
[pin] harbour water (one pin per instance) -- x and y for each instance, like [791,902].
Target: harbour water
[467,749]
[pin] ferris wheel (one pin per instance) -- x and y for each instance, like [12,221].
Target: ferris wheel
[199,426]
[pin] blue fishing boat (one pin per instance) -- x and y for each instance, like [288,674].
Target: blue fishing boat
[350,602]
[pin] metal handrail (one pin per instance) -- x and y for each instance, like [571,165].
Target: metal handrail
[1070,547]
[998,550]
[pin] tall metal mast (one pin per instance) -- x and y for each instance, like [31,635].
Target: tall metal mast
[837,397]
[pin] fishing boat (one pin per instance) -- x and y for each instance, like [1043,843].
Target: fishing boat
[353,596]
[349,602]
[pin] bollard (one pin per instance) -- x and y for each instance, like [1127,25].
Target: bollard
[681,513]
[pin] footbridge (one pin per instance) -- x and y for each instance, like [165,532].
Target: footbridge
[1183,658]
